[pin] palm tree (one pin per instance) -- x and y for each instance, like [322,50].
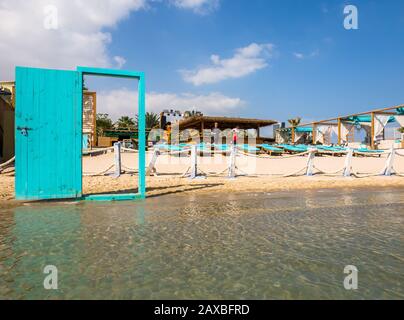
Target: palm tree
[295,121]
[125,122]
[152,120]
[103,122]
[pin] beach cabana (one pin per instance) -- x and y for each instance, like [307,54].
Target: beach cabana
[373,122]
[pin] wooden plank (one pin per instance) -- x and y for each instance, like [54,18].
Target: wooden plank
[314,133]
[293,135]
[372,130]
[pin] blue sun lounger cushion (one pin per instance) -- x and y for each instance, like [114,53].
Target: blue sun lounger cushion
[368,151]
[332,149]
[247,148]
[222,147]
[203,147]
[293,148]
[270,148]
[168,147]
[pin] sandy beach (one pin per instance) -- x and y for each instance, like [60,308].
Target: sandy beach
[256,174]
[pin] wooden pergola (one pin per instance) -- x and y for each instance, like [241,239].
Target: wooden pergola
[202,123]
[341,119]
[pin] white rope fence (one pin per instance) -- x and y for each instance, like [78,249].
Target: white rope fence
[7,167]
[308,169]
[7,163]
[194,170]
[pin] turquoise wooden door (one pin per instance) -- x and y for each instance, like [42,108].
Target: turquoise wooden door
[48,134]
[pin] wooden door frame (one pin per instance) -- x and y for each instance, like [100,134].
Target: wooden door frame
[140,76]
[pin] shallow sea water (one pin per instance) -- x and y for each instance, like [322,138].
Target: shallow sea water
[291,245]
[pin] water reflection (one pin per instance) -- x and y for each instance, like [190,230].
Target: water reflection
[237,246]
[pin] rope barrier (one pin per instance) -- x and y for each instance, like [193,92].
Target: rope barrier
[129,150]
[371,153]
[398,173]
[8,171]
[214,174]
[98,151]
[273,157]
[173,153]
[4,164]
[364,175]
[129,169]
[328,172]
[88,174]
[194,152]
[295,173]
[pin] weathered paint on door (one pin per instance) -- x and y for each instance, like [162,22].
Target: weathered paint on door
[48,134]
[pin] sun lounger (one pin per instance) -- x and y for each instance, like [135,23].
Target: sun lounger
[202,147]
[167,147]
[247,148]
[368,152]
[334,150]
[222,147]
[271,149]
[293,149]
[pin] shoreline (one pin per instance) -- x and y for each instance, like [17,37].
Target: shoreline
[162,186]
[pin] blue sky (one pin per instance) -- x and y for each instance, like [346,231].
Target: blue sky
[349,71]
[301,61]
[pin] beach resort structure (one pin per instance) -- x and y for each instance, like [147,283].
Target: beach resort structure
[373,123]
[7,114]
[89,119]
[202,123]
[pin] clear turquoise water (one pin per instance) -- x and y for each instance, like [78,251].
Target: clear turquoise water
[251,246]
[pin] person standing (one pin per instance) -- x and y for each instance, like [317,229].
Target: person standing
[216,134]
[235,135]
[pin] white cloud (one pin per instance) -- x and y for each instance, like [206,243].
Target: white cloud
[299,55]
[79,39]
[198,6]
[124,102]
[245,61]
[302,56]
